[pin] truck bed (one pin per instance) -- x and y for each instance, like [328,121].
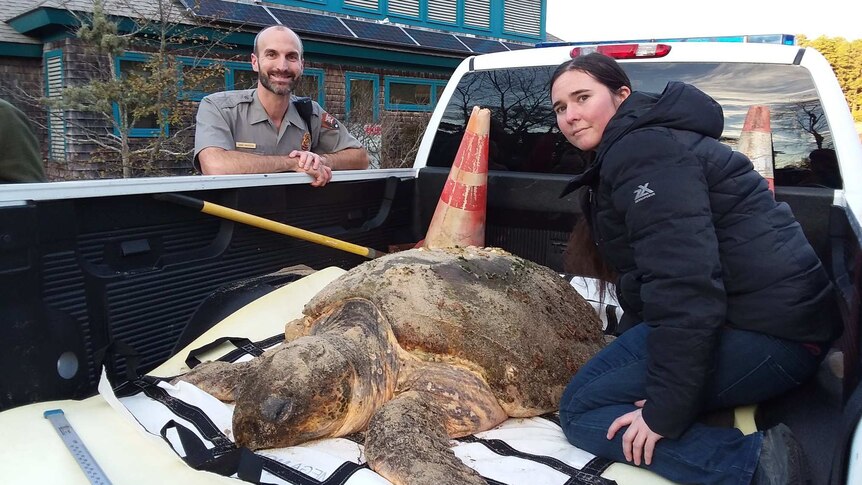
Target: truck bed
[115,430]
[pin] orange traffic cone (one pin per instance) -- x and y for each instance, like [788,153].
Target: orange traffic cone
[756,142]
[459,220]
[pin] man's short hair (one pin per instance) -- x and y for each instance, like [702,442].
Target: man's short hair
[279,27]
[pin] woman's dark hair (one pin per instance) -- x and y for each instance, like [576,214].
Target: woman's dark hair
[602,68]
[581,256]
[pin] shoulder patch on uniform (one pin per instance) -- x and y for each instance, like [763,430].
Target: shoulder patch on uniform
[328,121]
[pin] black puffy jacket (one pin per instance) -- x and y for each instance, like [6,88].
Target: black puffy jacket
[699,242]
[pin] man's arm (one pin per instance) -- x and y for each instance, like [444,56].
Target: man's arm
[218,161]
[337,147]
[347,159]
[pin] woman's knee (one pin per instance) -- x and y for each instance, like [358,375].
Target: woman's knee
[570,402]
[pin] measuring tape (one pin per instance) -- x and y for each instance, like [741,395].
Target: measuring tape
[76,447]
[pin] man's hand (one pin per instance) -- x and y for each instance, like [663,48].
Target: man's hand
[307,160]
[639,440]
[314,165]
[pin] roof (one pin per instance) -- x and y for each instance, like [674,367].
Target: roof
[251,16]
[16,10]
[9,9]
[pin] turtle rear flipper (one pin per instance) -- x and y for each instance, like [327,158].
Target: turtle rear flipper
[407,443]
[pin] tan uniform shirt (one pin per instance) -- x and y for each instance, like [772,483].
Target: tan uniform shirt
[235,120]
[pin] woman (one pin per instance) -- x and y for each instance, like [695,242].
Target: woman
[730,294]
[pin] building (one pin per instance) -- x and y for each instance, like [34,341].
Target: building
[379,65]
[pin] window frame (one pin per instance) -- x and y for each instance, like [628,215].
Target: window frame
[55,53]
[350,76]
[193,62]
[320,74]
[433,84]
[133,132]
[229,74]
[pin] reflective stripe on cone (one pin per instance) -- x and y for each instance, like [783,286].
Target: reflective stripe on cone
[756,142]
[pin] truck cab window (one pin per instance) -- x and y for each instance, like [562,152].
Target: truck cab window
[524,136]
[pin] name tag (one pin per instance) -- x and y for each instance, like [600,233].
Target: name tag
[243,144]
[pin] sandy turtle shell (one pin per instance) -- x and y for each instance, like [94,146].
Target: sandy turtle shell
[417,347]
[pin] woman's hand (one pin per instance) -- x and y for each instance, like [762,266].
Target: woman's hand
[639,440]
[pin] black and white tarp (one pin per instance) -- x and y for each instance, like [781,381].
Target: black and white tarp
[197,427]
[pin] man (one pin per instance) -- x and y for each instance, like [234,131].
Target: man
[263,130]
[20,158]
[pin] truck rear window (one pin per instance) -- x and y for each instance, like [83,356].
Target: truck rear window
[524,136]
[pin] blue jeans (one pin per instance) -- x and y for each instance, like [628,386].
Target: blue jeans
[750,367]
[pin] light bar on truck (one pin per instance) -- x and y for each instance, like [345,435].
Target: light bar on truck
[784,39]
[624,51]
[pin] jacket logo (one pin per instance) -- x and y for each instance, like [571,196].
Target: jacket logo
[643,192]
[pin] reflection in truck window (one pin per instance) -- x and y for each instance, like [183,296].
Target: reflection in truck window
[524,136]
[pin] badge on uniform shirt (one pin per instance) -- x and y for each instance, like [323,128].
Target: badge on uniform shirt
[328,121]
[245,144]
[306,142]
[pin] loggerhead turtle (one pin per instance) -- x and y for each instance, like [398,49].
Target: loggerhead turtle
[417,347]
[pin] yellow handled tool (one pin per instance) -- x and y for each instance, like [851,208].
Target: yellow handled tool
[267,224]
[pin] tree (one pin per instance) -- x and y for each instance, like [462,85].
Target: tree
[845,57]
[154,92]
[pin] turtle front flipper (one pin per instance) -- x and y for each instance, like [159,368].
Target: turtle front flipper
[407,443]
[220,379]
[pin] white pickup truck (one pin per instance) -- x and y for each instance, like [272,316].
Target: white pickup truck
[102,274]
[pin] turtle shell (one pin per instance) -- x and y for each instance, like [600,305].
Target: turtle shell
[518,324]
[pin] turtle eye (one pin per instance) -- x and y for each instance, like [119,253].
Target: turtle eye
[275,408]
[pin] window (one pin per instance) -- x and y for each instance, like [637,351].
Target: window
[362,97]
[240,75]
[133,65]
[54,91]
[311,85]
[412,94]
[524,136]
[362,113]
[200,77]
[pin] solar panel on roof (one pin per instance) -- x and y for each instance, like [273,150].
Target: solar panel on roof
[304,22]
[482,45]
[309,22]
[219,10]
[437,40]
[378,32]
[516,47]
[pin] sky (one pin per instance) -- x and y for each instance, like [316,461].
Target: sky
[586,20]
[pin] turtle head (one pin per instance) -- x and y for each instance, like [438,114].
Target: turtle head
[301,393]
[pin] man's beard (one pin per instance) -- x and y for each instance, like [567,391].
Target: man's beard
[283,90]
